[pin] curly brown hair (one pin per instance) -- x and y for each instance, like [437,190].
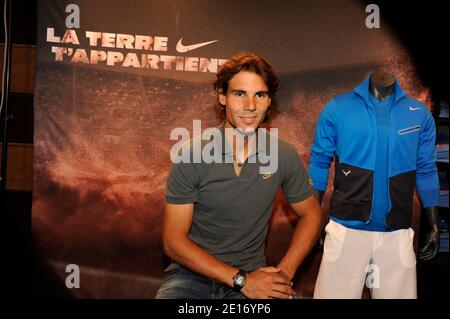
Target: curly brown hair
[250,62]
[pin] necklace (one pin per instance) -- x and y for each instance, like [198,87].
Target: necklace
[237,166]
[235,161]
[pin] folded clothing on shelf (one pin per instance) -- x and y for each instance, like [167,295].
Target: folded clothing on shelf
[442,153]
[443,226]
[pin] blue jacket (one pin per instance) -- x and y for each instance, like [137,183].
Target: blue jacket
[346,131]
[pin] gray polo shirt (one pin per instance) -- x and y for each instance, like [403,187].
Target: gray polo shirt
[231,213]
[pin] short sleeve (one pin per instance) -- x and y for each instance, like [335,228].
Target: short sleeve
[297,184]
[182,184]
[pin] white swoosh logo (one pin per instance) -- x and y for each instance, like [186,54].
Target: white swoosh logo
[346,172]
[414,108]
[185,48]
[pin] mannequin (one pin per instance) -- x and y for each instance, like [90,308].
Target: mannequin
[383,153]
[381,85]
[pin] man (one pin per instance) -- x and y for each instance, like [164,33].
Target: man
[382,142]
[217,214]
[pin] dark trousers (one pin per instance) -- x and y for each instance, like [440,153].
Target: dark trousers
[181,283]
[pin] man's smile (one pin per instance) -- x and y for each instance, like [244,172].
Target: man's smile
[248,119]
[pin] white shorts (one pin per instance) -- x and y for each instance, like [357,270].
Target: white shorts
[384,261]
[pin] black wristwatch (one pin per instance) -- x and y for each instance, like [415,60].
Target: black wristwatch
[239,280]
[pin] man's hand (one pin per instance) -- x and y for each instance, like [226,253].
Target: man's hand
[267,282]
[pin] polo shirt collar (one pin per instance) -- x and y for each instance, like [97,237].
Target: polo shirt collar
[260,147]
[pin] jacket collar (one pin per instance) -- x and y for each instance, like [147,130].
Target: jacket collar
[363,91]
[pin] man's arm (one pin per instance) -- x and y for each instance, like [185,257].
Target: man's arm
[178,246]
[262,283]
[305,235]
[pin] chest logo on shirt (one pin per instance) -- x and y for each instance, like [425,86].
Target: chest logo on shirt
[414,108]
[346,172]
[267,175]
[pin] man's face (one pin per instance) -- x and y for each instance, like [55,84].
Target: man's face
[246,100]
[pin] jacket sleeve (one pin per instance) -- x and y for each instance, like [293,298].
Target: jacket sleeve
[324,146]
[427,181]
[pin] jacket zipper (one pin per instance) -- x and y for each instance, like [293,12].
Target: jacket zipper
[391,107]
[394,103]
[374,125]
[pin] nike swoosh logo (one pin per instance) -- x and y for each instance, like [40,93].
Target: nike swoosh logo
[414,108]
[266,176]
[186,48]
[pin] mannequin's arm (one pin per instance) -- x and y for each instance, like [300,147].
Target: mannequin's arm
[431,247]
[319,196]
[326,218]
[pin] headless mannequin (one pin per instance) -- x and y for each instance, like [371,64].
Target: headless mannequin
[381,85]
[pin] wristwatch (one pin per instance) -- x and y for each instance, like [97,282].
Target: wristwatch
[239,280]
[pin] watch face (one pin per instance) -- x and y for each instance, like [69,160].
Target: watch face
[240,280]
